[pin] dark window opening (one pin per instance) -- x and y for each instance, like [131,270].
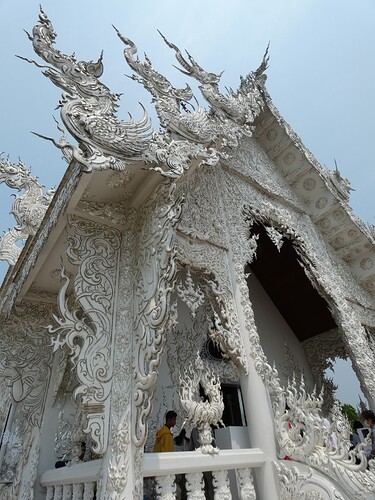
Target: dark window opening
[284,280]
[233,414]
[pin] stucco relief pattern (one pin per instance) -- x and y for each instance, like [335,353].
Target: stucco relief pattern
[224,330]
[321,350]
[26,356]
[86,328]
[25,363]
[297,485]
[120,466]
[153,286]
[253,163]
[202,218]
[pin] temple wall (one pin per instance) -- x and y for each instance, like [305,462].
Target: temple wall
[277,339]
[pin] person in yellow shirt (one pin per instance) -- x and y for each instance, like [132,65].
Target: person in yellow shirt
[164,438]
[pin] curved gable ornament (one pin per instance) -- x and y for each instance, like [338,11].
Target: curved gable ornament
[88,108]
[88,111]
[28,208]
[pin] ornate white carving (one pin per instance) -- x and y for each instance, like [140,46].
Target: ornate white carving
[340,184]
[165,487]
[25,359]
[115,212]
[154,279]
[193,297]
[245,483]
[171,103]
[86,330]
[275,237]
[195,486]
[295,485]
[202,414]
[242,106]
[321,350]
[88,108]
[121,453]
[28,209]
[220,482]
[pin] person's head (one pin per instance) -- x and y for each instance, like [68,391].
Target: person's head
[369,417]
[170,419]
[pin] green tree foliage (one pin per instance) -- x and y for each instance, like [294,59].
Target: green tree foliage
[350,413]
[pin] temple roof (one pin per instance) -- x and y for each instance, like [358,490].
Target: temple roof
[125,160]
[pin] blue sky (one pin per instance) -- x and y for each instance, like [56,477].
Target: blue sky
[321,74]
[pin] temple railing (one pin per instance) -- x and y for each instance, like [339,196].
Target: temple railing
[226,474]
[76,482]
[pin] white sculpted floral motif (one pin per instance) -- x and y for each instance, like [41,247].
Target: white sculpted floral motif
[245,483]
[202,414]
[28,209]
[87,329]
[295,485]
[193,297]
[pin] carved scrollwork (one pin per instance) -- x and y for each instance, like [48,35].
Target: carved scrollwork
[292,481]
[86,330]
[25,359]
[241,106]
[154,284]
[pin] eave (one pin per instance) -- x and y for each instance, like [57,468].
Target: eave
[324,199]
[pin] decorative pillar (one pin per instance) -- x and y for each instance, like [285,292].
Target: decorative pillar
[256,398]
[25,363]
[85,330]
[118,475]
[144,314]
[260,378]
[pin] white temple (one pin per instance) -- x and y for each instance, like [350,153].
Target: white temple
[212,267]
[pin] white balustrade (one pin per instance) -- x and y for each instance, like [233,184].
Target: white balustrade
[204,472]
[196,472]
[75,482]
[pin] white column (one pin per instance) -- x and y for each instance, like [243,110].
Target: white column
[261,431]
[258,409]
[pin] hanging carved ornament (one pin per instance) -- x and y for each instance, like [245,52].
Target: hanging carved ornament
[275,236]
[86,329]
[192,296]
[28,208]
[202,414]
